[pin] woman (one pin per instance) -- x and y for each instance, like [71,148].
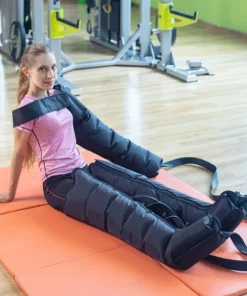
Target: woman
[49,138]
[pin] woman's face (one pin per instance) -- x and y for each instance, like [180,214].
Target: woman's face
[43,73]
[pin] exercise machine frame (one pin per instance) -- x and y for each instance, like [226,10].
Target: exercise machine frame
[145,55]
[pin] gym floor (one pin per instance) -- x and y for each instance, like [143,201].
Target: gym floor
[205,119]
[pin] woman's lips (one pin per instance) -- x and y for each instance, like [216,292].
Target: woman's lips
[49,82]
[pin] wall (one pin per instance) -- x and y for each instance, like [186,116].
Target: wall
[230,14]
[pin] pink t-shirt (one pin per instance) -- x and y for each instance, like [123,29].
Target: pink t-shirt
[53,140]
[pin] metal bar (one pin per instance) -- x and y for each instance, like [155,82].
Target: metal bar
[127,46]
[66,58]
[55,44]
[166,44]
[38,21]
[125,20]
[20,10]
[145,26]
[133,63]
[165,47]
[88,65]
[99,19]
[181,74]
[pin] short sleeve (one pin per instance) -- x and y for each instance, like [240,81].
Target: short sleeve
[28,126]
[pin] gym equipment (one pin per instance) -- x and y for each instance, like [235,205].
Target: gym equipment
[145,54]
[27,16]
[167,225]
[16,22]
[112,22]
[17,41]
[12,20]
[174,32]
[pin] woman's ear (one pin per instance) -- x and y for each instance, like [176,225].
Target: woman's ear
[25,71]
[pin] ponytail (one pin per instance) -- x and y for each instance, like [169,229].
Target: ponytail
[30,53]
[23,85]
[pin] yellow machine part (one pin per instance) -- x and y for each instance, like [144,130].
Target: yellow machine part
[107,7]
[166,19]
[58,29]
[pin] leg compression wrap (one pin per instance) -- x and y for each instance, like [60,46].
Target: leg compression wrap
[189,209]
[179,231]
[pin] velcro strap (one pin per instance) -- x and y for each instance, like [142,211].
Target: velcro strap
[238,265]
[39,107]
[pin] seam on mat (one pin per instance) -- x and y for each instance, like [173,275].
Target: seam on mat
[19,210]
[74,259]
[177,278]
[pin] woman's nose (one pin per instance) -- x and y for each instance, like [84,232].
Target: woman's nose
[50,73]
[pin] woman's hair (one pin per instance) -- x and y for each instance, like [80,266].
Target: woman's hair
[27,60]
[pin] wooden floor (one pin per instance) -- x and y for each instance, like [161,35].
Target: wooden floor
[206,119]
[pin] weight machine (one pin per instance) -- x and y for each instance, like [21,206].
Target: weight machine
[111,22]
[145,54]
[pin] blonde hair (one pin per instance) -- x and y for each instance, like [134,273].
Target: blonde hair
[27,61]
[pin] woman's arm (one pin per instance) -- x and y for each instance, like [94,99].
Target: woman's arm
[19,153]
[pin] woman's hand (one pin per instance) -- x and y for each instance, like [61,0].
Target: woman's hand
[4,198]
[20,144]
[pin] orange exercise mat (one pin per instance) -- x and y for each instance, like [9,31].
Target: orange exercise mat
[29,192]
[122,272]
[39,237]
[51,254]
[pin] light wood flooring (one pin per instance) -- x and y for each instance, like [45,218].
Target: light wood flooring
[206,119]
